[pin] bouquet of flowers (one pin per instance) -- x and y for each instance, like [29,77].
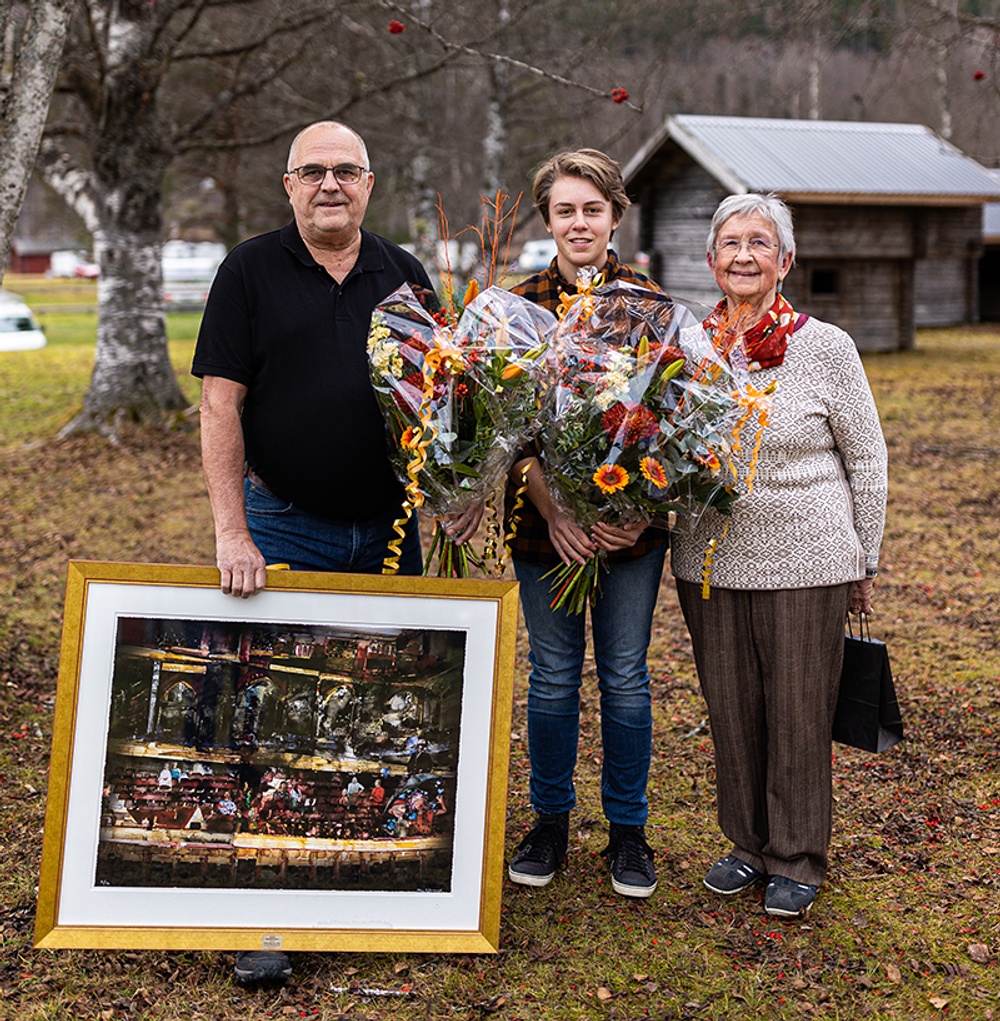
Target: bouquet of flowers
[459,399]
[642,414]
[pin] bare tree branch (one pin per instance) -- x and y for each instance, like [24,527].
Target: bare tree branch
[501,58]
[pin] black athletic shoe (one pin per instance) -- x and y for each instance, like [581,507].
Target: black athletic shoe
[731,875]
[538,856]
[788,899]
[262,968]
[631,861]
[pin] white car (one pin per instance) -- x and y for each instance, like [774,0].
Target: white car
[19,330]
[536,255]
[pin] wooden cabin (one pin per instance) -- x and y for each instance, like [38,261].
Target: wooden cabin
[989,264]
[888,217]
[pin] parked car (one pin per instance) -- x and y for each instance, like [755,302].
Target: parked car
[19,330]
[535,255]
[67,263]
[188,270]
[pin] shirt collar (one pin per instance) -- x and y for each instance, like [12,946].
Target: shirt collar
[369,258]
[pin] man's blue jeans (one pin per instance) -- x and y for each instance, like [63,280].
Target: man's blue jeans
[621,622]
[284,534]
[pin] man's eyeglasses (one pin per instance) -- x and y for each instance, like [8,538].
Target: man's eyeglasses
[755,246]
[344,173]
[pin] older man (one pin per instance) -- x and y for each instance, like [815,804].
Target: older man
[293,443]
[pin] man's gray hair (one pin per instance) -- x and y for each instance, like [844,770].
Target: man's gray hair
[327,124]
[767,205]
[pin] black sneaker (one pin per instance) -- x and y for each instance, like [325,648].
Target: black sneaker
[788,899]
[731,875]
[538,856]
[631,861]
[262,968]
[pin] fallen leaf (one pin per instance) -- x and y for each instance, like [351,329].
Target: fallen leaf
[604,994]
[893,974]
[939,1001]
[980,953]
[639,977]
[400,968]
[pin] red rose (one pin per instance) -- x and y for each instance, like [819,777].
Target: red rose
[395,27]
[978,75]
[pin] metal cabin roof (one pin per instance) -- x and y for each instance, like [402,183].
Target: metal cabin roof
[991,216]
[825,161]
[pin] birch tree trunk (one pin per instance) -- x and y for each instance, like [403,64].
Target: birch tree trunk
[495,139]
[35,64]
[121,199]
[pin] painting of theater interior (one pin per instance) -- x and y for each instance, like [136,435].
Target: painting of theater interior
[249,755]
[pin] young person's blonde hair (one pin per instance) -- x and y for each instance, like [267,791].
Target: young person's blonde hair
[590,164]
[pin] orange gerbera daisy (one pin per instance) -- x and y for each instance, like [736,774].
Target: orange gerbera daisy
[653,471]
[410,438]
[609,478]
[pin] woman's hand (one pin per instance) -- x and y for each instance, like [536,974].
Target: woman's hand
[861,596]
[461,527]
[616,537]
[571,542]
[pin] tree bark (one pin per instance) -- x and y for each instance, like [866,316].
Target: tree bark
[121,199]
[26,104]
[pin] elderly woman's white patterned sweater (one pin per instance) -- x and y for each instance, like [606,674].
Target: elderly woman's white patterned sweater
[817,510]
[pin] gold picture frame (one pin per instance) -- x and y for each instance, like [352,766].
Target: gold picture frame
[198,787]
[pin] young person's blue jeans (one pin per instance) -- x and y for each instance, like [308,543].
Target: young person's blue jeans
[284,534]
[621,622]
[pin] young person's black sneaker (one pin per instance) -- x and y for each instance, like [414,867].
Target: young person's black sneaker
[730,875]
[631,861]
[262,968]
[538,856]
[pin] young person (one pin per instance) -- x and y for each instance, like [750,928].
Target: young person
[581,198]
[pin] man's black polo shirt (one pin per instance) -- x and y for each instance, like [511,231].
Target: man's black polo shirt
[278,323]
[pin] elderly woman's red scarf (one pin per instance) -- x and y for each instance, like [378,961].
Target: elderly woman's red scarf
[765,342]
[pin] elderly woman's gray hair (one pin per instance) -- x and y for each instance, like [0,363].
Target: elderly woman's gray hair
[769,206]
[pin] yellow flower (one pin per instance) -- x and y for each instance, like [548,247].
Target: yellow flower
[653,471]
[609,478]
[379,331]
[410,439]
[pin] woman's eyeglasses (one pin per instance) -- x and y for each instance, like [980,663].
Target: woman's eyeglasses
[755,246]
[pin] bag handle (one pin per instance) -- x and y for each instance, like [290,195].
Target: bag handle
[864,624]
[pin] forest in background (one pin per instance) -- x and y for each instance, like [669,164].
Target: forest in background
[469,96]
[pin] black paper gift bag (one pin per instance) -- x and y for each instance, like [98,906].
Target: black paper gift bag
[868,714]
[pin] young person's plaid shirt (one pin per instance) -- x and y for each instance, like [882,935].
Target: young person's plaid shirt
[531,543]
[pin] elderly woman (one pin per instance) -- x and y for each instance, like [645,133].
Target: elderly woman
[799,551]
[581,198]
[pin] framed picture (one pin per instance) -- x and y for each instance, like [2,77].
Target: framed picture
[320,767]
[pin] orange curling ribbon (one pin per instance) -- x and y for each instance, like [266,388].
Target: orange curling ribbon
[490,543]
[708,563]
[759,401]
[515,517]
[416,439]
[584,289]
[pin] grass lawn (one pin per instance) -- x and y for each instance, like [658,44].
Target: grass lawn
[908,924]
